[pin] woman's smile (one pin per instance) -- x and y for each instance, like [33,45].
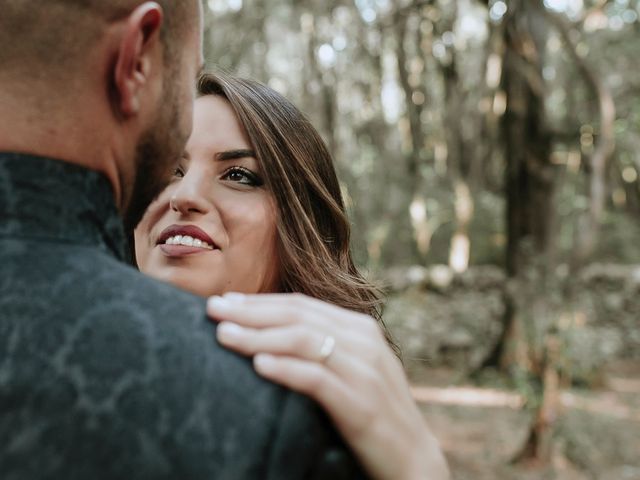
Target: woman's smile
[183,240]
[213,229]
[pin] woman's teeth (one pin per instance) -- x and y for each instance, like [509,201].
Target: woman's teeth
[187,241]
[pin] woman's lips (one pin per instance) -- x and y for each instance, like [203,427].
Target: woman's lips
[184,240]
[182,250]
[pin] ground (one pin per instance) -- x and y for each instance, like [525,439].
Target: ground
[597,435]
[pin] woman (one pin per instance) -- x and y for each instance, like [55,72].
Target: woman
[255,207]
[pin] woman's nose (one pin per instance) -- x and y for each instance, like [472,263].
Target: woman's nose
[189,197]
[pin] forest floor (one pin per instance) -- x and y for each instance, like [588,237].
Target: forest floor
[596,437]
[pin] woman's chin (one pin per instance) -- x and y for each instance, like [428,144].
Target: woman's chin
[185,279]
[201,282]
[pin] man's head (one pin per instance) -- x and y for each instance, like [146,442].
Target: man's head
[118,73]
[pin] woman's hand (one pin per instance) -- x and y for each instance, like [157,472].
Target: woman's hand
[340,359]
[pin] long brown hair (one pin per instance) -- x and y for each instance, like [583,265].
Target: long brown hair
[313,231]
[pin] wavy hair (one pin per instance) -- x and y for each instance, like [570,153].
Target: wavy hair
[313,231]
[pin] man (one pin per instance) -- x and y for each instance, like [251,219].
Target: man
[104,373]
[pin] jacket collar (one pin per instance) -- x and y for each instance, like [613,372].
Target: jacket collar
[52,200]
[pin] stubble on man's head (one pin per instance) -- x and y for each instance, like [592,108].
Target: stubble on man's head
[56,35]
[47,44]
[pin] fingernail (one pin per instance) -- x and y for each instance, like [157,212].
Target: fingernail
[229,332]
[264,362]
[234,297]
[218,304]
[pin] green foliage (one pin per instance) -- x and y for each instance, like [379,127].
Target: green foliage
[527,385]
[440,110]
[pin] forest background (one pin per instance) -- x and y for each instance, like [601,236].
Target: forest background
[489,153]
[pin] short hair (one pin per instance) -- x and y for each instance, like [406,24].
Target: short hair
[48,36]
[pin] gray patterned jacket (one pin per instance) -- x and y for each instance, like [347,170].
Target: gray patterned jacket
[107,374]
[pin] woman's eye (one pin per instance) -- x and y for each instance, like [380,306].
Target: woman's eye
[178,172]
[243,176]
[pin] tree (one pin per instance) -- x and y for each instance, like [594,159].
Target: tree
[529,184]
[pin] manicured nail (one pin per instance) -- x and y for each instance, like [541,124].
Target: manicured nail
[229,332]
[234,297]
[218,304]
[263,362]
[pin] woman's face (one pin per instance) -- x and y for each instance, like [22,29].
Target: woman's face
[213,229]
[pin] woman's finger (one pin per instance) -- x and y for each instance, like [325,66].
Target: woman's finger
[330,353]
[302,302]
[361,338]
[286,340]
[338,398]
[261,311]
[338,353]
[299,303]
[293,357]
[258,314]
[294,299]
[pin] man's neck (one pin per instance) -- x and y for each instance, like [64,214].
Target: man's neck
[72,134]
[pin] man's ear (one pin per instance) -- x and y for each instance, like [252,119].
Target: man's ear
[135,56]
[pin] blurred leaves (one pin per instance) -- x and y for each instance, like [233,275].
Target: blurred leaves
[408,96]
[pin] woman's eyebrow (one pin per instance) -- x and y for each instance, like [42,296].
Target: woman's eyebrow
[235,154]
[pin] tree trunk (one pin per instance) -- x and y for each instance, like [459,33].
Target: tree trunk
[413,109]
[323,79]
[598,153]
[414,158]
[459,157]
[529,190]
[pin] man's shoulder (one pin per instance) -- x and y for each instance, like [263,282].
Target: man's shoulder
[85,278]
[156,320]
[94,308]
[98,356]
[123,284]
